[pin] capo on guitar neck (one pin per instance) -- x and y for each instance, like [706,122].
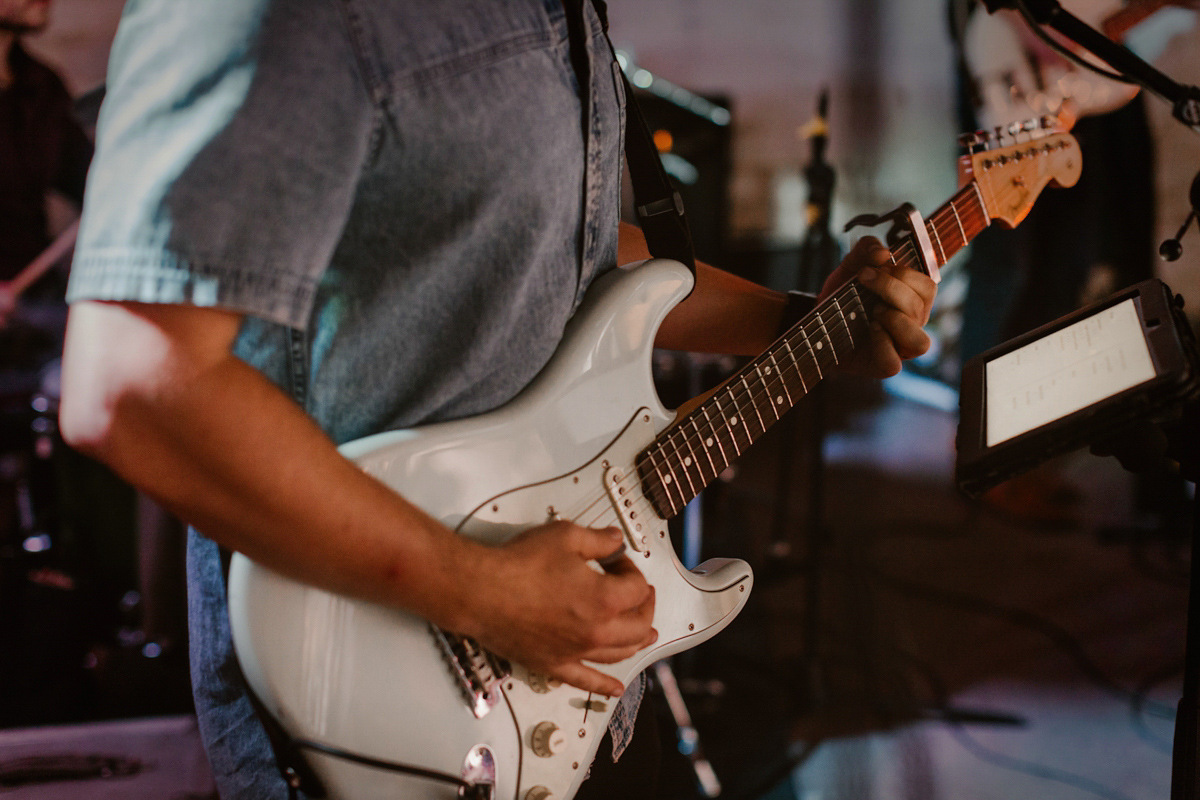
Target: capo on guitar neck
[906,222]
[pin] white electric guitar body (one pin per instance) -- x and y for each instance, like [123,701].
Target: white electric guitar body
[373,681]
[373,695]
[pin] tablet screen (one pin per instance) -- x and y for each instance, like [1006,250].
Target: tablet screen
[1066,371]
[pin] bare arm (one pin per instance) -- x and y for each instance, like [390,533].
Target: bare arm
[156,393]
[728,314]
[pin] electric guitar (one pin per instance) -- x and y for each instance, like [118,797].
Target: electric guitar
[384,705]
[1017,76]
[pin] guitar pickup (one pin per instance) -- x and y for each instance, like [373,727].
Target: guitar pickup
[626,497]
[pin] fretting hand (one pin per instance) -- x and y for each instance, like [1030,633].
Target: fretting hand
[906,299]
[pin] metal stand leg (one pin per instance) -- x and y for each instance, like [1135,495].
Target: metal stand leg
[689,739]
[1185,757]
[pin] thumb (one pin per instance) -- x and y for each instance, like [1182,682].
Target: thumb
[600,544]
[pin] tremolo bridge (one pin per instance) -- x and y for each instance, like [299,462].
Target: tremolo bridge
[477,672]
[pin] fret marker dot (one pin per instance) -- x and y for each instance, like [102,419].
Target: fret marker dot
[666,479]
[767,370]
[820,345]
[687,462]
[853,315]
[733,420]
[779,399]
[708,442]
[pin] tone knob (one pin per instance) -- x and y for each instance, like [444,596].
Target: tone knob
[547,740]
[539,793]
[541,684]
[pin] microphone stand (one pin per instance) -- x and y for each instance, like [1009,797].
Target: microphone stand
[1184,99]
[1185,107]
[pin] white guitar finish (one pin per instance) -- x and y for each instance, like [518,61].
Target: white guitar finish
[370,680]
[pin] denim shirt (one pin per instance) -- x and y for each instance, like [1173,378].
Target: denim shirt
[406,200]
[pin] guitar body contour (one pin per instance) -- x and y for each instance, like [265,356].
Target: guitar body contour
[373,682]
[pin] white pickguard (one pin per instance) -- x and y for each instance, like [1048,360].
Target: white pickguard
[370,680]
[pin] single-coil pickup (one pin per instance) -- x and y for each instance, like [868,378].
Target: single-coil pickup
[626,497]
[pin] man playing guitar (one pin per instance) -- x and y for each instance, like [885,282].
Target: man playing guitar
[313,220]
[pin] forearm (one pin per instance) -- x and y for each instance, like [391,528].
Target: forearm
[226,451]
[726,314]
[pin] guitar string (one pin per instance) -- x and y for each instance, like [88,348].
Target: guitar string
[903,255]
[738,395]
[722,435]
[694,440]
[972,216]
[907,254]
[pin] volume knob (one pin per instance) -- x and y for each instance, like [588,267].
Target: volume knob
[539,793]
[547,740]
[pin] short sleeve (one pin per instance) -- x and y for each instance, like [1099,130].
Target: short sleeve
[229,148]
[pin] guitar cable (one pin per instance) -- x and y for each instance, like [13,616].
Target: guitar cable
[465,788]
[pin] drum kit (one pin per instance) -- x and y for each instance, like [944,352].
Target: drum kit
[74,599]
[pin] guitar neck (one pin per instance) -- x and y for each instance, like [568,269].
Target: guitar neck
[698,448]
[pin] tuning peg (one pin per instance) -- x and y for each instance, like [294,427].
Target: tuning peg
[977,141]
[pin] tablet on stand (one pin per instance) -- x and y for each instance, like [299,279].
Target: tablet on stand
[1075,381]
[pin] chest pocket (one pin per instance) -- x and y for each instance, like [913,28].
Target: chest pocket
[404,45]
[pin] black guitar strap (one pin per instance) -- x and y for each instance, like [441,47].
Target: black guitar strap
[659,206]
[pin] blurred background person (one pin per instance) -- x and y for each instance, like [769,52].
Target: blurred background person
[43,148]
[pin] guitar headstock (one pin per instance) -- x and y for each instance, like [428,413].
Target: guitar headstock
[1013,165]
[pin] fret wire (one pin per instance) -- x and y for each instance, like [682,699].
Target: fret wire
[770,395]
[952,208]
[724,422]
[979,196]
[663,484]
[753,405]
[813,353]
[715,436]
[738,419]
[691,486]
[707,452]
[770,375]
[761,423]
[962,232]
[690,457]
[938,241]
[782,380]
[799,372]
[845,324]
[672,480]
[825,332]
